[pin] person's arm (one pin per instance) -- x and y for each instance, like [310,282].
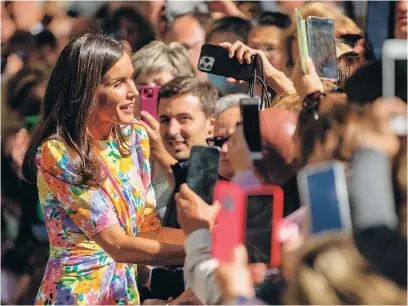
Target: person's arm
[139,250]
[199,267]
[371,191]
[92,211]
[374,219]
[158,152]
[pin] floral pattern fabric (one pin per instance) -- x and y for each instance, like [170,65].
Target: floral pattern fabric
[78,270]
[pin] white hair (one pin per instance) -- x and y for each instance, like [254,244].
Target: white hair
[229,101]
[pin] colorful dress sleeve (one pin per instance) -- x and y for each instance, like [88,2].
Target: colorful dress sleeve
[151,219]
[89,208]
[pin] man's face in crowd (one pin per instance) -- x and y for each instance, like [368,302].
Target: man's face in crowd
[183,124]
[225,126]
[268,39]
[188,31]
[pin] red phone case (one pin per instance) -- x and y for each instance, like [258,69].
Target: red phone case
[228,232]
[277,216]
[148,100]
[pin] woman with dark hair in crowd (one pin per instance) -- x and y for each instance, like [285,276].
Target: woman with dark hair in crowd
[91,164]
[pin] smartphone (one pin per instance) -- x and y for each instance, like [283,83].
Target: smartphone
[215,60]
[264,213]
[202,171]
[394,62]
[302,41]
[148,100]
[251,125]
[322,46]
[323,188]
[228,231]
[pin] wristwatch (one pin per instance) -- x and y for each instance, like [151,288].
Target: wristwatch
[311,102]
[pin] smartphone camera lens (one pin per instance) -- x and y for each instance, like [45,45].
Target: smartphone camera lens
[206,60]
[202,66]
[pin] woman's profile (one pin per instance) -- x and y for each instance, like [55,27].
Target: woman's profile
[91,164]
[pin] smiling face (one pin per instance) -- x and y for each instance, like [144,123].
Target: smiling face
[183,124]
[117,94]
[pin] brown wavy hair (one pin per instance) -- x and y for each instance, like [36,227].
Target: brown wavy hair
[68,102]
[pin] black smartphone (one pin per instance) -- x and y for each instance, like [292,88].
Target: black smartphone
[258,234]
[252,130]
[202,171]
[215,60]
[322,46]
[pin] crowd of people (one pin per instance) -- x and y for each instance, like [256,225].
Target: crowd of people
[95,205]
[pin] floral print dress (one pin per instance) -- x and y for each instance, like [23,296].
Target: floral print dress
[78,270]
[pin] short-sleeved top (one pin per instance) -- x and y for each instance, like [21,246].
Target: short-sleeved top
[78,270]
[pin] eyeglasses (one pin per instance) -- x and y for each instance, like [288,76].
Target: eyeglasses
[217,141]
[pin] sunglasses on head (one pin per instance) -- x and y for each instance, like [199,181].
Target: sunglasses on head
[217,141]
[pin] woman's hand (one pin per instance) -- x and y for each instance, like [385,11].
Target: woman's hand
[377,132]
[276,79]
[152,127]
[192,212]
[306,83]
[157,150]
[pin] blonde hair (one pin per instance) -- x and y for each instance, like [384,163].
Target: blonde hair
[331,271]
[158,56]
[346,24]
[288,101]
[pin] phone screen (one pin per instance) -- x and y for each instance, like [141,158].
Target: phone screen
[252,131]
[324,201]
[202,171]
[258,228]
[322,47]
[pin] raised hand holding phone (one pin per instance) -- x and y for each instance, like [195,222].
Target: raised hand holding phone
[306,83]
[276,79]
[193,213]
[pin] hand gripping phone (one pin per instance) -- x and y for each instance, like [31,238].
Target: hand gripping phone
[215,60]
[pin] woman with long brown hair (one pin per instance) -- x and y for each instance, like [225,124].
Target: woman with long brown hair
[91,164]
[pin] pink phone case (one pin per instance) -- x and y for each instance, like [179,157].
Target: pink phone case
[277,216]
[228,231]
[148,100]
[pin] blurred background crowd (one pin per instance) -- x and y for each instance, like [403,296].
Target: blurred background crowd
[33,33]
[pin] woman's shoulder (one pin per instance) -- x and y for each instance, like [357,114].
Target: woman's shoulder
[53,152]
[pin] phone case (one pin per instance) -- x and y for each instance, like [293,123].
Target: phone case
[148,100]
[202,171]
[215,60]
[228,231]
[302,41]
[277,217]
